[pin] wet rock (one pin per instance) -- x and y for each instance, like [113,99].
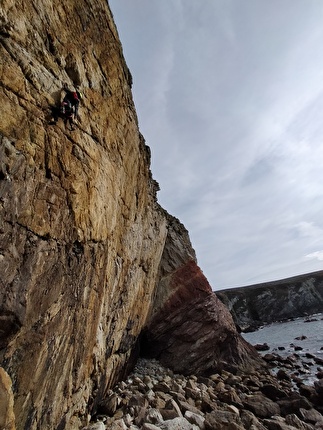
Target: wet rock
[319,374]
[262,347]
[318,360]
[282,374]
[318,385]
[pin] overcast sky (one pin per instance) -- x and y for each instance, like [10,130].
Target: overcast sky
[229,96]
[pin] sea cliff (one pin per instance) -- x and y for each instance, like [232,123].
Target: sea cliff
[256,305]
[92,270]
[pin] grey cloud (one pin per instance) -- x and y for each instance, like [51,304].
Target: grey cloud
[229,96]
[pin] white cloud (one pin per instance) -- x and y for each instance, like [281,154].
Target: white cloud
[316,255]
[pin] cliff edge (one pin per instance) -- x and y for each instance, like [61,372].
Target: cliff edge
[255,305]
[91,267]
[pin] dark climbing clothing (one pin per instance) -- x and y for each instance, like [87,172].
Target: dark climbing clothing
[72,97]
[65,111]
[68,109]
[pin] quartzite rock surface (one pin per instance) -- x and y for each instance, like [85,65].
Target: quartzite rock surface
[81,235]
[83,267]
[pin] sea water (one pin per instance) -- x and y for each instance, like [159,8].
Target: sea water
[305,333]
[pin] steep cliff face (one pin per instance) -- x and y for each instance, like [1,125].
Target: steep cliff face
[83,267]
[190,330]
[265,303]
[81,236]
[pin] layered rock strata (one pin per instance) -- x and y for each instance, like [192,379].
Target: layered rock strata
[83,262]
[256,305]
[189,329]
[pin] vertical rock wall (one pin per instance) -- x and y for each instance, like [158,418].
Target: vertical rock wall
[83,266]
[80,235]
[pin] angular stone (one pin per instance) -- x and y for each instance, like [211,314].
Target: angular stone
[250,421]
[218,420]
[185,406]
[292,404]
[173,406]
[293,420]
[138,400]
[162,387]
[272,392]
[117,425]
[149,426]
[177,424]
[196,419]
[261,406]
[153,416]
[109,406]
[230,397]
[140,414]
[311,416]
[276,424]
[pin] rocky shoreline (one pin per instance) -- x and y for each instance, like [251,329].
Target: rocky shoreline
[153,397]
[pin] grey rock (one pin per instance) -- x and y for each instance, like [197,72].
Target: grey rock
[276,424]
[149,426]
[293,420]
[178,424]
[196,419]
[153,416]
[311,416]
[95,426]
[261,406]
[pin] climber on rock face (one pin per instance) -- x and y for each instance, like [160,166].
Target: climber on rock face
[72,97]
[68,109]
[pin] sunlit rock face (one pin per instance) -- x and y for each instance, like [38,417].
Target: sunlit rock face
[83,262]
[7,417]
[260,304]
[81,235]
